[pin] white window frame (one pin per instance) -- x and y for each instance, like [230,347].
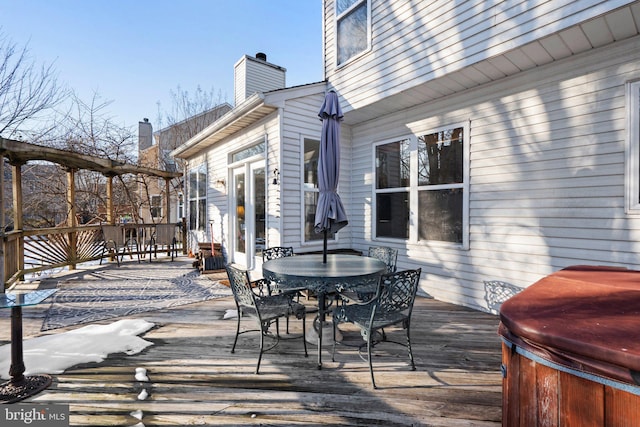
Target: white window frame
[197,198]
[632,179]
[414,189]
[303,191]
[155,206]
[180,206]
[339,17]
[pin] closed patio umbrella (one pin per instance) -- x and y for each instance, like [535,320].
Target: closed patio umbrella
[330,213]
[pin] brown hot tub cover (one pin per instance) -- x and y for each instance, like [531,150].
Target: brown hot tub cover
[586,318]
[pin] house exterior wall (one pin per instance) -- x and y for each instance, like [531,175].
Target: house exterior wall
[283,131]
[415,41]
[547,175]
[218,171]
[300,121]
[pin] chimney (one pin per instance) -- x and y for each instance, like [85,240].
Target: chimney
[255,74]
[145,134]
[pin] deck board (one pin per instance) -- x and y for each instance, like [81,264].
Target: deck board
[195,380]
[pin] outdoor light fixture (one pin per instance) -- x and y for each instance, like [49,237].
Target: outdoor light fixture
[276,176]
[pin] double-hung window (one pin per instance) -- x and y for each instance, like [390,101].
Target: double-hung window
[310,157]
[421,188]
[353,24]
[393,173]
[156,206]
[198,198]
[633,148]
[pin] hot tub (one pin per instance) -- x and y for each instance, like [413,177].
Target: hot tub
[571,350]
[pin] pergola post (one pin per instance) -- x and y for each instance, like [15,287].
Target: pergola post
[111,219]
[72,220]
[167,199]
[18,223]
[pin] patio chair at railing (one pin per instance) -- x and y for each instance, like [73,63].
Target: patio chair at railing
[253,300]
[114,240]
[164,235]
[392,305]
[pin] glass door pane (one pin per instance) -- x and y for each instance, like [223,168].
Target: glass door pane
[239,186]
[259,211]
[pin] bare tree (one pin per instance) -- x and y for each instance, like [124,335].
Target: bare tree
[85,128]
[189,110]
[26,90]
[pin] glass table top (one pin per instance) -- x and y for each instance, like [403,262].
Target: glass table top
[23,299]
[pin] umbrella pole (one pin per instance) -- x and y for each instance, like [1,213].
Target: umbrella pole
[324,248]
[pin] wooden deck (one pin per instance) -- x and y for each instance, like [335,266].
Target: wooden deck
[195,380]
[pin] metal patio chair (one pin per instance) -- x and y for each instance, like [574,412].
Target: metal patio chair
[392,305]
[385,254]
[362,293]
[497,292]
[253,300]
[276,252]
[113,237]
[164,235]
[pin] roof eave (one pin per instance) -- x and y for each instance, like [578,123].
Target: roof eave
[226,125]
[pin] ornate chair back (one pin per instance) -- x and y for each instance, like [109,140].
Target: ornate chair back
[396,294]
[241,287]
[385,254]
[276,252]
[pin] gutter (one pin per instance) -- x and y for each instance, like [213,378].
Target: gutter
[251,103]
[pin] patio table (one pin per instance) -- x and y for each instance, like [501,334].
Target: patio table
[20,387]
[308,272]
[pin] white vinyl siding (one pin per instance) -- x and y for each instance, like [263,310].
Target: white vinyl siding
[218,159]
[252,75]
[414,42]
[546,175]
[300,121]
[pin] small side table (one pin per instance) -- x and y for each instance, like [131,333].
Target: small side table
[20,387]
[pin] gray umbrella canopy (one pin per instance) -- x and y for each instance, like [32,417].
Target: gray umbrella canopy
[330,213]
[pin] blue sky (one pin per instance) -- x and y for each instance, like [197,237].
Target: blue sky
[134,53]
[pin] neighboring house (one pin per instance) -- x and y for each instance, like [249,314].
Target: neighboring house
[482,139]
[153,151]
[243,171]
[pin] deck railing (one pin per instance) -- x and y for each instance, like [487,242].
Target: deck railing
[50,248]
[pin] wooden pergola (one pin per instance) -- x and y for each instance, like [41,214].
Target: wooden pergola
[19,153]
